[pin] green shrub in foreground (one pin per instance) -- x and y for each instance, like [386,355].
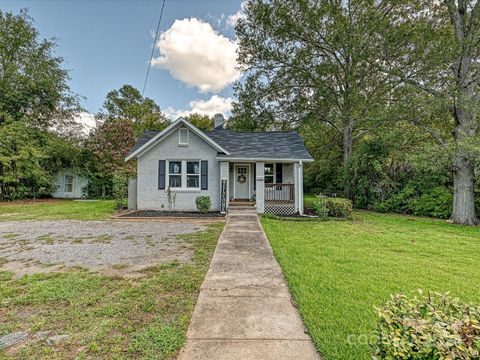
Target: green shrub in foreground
[339,207]
[203,203]
[333,207]
[433,327]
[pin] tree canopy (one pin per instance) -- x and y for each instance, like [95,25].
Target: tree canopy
[127,103]
[37,109]
[358,77]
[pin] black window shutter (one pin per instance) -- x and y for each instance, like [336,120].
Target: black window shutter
[279,172]
[204,173]
[254,176]
[161,174]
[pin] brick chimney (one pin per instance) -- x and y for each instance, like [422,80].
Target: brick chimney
[219,121]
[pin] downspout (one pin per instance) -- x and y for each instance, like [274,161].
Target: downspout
[300,186]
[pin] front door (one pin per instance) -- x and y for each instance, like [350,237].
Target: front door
[242,182]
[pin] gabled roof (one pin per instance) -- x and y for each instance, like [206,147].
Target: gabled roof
[151,138]
[275,145]
[268,145]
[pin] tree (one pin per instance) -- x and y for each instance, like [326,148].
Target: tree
[127,103]
[37,110]
[125,115]
[108,144]
[314,61]
[33,85]
[440,69]
[203,122]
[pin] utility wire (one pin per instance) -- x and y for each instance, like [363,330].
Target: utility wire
[153,47]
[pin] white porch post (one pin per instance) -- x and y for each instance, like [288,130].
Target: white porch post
[296,177]
[260,187]
[224,175]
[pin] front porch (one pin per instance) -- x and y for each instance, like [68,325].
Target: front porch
[274,187]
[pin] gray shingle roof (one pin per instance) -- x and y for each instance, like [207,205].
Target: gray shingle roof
[250,145]
[142,140]
[261,145]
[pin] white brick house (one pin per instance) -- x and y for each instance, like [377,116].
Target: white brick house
[261,167]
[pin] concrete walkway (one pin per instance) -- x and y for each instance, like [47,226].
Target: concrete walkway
[244,310]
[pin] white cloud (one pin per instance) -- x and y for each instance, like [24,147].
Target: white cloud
[86,121]
[216,104]
[197,55]
[240,14]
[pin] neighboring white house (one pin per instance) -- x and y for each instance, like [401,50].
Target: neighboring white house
[261,167]
[68,185]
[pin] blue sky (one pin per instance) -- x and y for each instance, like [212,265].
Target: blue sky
[107,44]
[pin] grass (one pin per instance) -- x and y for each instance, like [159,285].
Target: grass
[57,209]
[108,317]
[339,270]
[308,200]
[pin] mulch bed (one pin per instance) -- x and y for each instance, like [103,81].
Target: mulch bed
[153,213]
[309,211]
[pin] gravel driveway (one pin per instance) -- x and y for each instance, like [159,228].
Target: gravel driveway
[113,247]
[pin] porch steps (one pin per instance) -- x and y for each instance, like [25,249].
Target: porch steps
[242,205]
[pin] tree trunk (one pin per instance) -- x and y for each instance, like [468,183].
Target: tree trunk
[463,191]
[465,110]
[347,141]
[463,169]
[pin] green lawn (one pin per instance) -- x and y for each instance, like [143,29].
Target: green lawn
[57,209]
[339,270]
[308,200]
[107,317]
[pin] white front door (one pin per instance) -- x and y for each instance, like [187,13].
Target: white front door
[242,181]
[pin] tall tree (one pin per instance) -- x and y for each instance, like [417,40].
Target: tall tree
[127,103]
[440,69]
[125,115]
[33,84]
[36,105]
[314,61]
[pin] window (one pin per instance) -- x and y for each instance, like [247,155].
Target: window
[193,173]
[68,183]
[269,174]
[183,136]
[175,174]
[184,174]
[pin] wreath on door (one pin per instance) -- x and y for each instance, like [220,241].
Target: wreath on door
[241,178]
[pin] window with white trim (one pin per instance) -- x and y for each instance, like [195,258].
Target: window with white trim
[183,136]
[175,174]
[184,174]
[269,174]
[193,174]
[68,183]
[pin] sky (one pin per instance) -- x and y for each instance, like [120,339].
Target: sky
[107,43]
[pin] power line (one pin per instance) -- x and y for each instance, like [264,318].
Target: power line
[153,47]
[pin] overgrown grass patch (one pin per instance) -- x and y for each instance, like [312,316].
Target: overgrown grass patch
[108,316]
[57,209]
[308,200]
[339,270]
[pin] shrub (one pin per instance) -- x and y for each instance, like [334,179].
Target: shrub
[120,189]
[339,207]
[333,207]
[436,202]
[320,206]
[203,203]
[433,327]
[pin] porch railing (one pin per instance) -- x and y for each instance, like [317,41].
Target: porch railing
[280,192]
